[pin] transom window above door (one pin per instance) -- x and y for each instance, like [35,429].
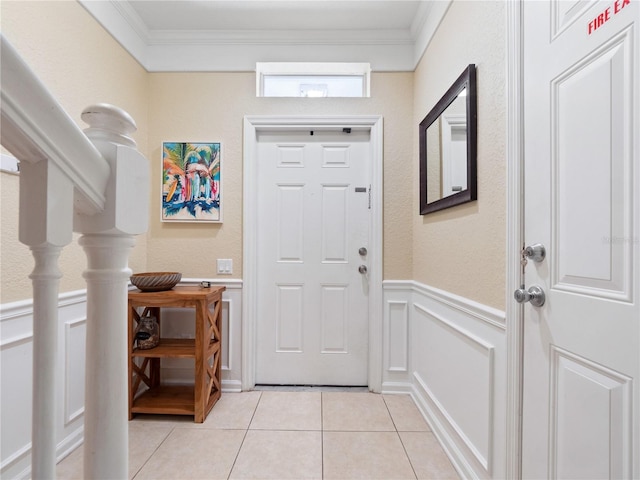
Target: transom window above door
[312,79]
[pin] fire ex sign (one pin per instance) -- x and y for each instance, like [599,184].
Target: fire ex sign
[607,14]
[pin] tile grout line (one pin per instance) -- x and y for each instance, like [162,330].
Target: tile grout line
[400,438]
[246,432]
[152,453]
[322,435]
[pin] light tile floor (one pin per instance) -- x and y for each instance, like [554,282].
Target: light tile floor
[285,435]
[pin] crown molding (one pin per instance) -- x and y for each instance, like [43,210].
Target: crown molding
[120,24]
[280,37]
[239,50]
[428,19]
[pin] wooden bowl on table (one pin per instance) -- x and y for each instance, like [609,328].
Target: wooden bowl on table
[155,281]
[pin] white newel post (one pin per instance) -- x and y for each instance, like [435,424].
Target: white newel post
[106,392]
[108,238]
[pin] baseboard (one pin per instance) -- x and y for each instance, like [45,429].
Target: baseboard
[231,386]
[456,456]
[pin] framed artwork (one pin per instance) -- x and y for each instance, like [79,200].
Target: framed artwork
[191,182]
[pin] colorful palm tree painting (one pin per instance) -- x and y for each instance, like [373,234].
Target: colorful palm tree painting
[191,182]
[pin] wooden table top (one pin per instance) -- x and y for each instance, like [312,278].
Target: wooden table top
[178,293]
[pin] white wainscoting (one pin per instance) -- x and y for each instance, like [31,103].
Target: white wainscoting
[16,348]
[16,341]
[449,354]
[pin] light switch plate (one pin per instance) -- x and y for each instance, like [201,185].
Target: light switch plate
[225,266]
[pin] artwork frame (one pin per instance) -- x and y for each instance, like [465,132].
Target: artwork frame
[191,182]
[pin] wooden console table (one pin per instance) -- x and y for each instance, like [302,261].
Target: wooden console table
[144,365]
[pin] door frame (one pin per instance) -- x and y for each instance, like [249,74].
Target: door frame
[514,234]
[256,123]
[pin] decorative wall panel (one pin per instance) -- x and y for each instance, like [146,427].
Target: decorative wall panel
[398,336]
[75,340]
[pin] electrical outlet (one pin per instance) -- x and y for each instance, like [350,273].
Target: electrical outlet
[225,266]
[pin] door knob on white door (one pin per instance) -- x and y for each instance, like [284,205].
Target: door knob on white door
[535,295]
[362,269]
[535,252]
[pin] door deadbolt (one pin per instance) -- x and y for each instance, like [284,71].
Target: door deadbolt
[362,269]
[535,295]
[362,251]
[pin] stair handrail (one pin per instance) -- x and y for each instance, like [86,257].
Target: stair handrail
[35,127]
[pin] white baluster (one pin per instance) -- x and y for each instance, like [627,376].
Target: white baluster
[107,240]
[46,212]
[45,277]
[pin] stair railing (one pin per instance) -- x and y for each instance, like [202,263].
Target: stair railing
[95,183]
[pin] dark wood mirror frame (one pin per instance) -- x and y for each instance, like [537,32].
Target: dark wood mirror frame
[466,80]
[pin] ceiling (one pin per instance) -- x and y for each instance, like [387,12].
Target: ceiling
[320,15]
[232,35]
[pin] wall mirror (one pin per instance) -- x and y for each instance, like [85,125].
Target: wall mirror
[448,147]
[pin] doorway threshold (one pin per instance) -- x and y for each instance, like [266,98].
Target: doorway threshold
[311,388]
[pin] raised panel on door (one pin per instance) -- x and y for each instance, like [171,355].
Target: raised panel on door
[288,318]
[289,209]
[335,319]
[581,389]
[335,223]
[591,201]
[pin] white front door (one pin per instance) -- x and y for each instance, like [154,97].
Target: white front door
[313,219]
[581,397]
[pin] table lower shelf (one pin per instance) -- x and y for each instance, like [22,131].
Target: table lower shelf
[172,400]
[166,399]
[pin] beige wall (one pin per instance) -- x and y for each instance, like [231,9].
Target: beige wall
[211,107]
[188,106]
[80,64]
[462,250]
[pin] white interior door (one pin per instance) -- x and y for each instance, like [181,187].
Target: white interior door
[313,219]
[581,402]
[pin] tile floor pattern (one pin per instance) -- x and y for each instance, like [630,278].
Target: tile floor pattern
[285,435]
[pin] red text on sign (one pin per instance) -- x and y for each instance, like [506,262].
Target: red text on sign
[607,14]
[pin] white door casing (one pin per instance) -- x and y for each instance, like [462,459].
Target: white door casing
[313,217]
[253,126]
[581,375]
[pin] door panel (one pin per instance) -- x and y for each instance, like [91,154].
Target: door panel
[582,347]
[290,211]
[590,97]
[312,300]
[580,390]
